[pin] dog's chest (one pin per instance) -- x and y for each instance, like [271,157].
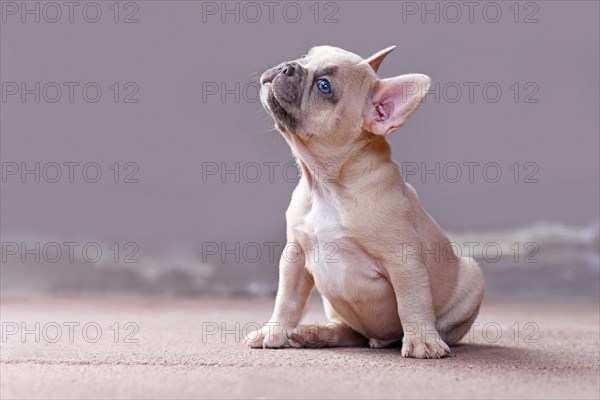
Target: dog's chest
[333,255]
[322,223]
[344,272]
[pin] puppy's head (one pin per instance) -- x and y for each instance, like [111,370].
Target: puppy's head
[333,95]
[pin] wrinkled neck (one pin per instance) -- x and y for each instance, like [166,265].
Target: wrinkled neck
[331,166]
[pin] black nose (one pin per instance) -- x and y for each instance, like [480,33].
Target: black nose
[288,69]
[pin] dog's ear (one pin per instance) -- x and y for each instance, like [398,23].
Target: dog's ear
[375,60]
[393,101]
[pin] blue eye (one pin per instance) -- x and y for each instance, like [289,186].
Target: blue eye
[324,86]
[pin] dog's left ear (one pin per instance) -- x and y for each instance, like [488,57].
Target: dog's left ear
[376,59]
[393,101]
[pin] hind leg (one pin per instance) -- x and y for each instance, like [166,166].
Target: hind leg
[464,305]
[331,334]
[335,333]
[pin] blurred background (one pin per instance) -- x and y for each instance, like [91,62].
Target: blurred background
[136,158]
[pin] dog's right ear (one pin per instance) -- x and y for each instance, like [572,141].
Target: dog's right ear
[376,59]
[393,101]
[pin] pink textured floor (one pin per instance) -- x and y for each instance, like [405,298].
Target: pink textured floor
[545,351]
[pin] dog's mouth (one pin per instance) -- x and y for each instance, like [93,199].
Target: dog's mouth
[274,104]
[267,77]
[284,119]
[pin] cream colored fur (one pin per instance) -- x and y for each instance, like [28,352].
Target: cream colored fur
[355,229]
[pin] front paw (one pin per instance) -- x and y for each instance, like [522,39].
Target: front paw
[269,336]
[424,347]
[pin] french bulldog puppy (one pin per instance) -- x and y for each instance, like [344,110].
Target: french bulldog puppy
[355,229]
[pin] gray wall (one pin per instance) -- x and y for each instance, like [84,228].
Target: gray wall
[178,51]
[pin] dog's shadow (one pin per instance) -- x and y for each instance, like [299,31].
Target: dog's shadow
[498,352]
[471,353]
